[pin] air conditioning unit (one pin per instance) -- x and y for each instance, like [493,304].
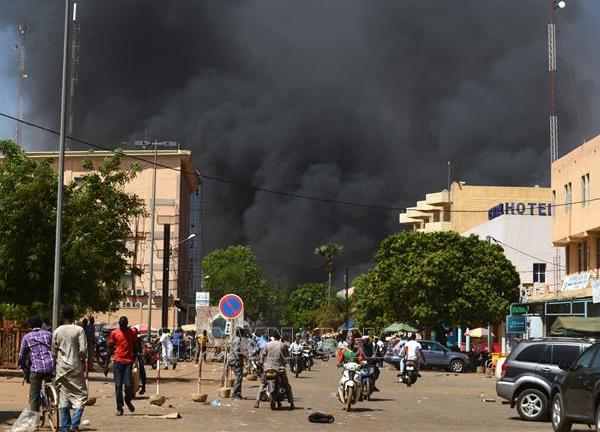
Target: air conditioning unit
[139,292]
[138,304]
[128,304]
[129,292]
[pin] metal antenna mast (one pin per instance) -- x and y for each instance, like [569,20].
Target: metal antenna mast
[23,29]
[552,70]
[74,72]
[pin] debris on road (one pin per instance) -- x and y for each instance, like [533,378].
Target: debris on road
[319,417]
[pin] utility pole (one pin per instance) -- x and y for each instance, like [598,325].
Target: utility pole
[23,29]
[347,303]
[165,282]
[74,75]
[156,144]
[61,169]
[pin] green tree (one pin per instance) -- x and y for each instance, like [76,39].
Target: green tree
[328,252]
[96,217]
[435,279]
[303,305]
[234,270]
[331,314]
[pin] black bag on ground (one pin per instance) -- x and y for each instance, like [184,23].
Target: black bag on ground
[319,417]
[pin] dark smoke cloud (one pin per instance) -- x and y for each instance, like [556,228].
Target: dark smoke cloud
[352,100]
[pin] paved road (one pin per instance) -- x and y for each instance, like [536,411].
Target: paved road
[440,401]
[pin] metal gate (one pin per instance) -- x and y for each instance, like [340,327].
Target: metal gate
[10,339]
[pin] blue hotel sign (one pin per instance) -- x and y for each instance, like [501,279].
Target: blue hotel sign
[520,208]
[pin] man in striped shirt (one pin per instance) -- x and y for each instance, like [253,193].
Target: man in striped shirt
[35,355]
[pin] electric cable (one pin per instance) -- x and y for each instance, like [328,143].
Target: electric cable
[259,188]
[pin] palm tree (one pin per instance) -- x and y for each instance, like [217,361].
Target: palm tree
[328,252]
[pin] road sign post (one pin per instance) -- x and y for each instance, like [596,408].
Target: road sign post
[231,307]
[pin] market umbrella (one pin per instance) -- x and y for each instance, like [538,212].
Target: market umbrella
[400,327]
[478,333]
[188,327]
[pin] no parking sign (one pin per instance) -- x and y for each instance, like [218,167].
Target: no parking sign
[231,306]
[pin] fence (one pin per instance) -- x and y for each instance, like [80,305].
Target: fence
[10,340]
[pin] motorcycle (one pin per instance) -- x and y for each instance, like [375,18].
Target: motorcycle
[307,357]
[101,349]
[367,379]
[275,390]
[321,354]
[350,388]
[296,362]
[409,377]
[151,353]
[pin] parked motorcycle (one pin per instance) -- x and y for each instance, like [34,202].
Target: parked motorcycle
[409,376]
[350,388]
[276,391]
[321,354]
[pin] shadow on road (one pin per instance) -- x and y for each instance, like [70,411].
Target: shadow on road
[8,415]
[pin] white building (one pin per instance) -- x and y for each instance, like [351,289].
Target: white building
[527,243]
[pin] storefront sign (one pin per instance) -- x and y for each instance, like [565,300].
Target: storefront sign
[202,298]
[576,282]
[520,208]
[515,324]
[518,310]
[596,290]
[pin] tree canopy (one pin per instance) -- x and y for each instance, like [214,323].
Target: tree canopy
[96,216]
[234,270]
[303,305]
[434,279]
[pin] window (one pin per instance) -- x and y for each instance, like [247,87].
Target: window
[425,345]
[568,259]
[596,362]
[568,197]
[553,202]
[582,257]
[539,272]
[586,358]
[532,353]
[565,354]
[437,347]
[585,189]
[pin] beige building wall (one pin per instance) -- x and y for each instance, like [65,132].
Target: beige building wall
[466,206]
[175,181]
[576,219]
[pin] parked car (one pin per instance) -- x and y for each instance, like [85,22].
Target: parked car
[435,355]
[576,392]
[529,371]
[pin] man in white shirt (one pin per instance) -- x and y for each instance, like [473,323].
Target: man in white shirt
[412,351]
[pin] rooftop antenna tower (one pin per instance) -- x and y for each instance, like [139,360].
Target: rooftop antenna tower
[23,29]
[552,69]
[74,79]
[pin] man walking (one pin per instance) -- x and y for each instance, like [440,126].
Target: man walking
[90,334]
[167,349]
[236,361]
[123,341]
[35,358]
[69,349]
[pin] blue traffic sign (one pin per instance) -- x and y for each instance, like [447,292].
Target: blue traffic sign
[231,306]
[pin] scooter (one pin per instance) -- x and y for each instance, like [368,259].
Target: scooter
[367,379]
[296,362]
[350,388]
[409,377]
[307,358]
[321,354]
[275,390]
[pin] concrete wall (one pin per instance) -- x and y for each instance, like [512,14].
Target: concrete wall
[581,223]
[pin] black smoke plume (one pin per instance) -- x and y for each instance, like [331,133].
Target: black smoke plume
[345,99]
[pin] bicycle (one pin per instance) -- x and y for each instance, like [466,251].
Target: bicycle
[49,406]
[215,355]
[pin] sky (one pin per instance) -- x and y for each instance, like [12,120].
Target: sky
[345,99]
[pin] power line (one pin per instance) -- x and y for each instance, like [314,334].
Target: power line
[522,252]
[259,188]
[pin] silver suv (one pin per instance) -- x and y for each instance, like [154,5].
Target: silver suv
[529,371]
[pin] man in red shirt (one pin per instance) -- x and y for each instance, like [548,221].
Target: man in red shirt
[123,342]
